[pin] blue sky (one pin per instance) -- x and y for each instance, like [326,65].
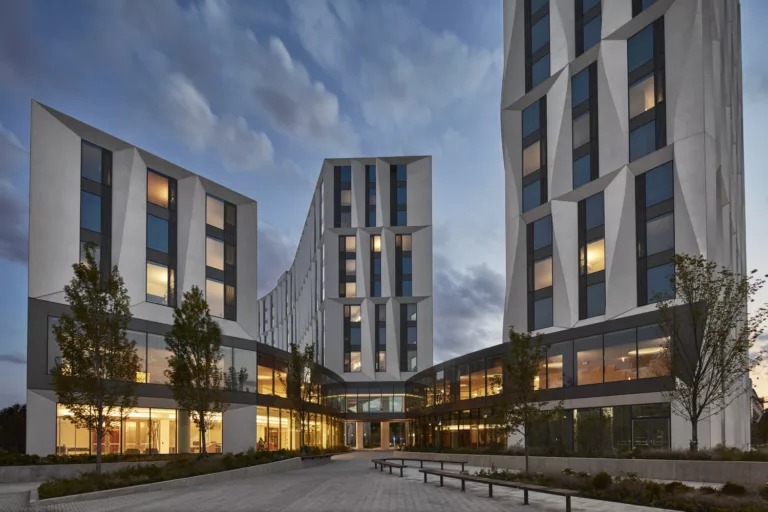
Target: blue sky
[255,94]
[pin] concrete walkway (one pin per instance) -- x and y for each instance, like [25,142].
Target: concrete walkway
[349,483]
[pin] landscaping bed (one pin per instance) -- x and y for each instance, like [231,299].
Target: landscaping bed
[23,459]
[628,488]
[182,466]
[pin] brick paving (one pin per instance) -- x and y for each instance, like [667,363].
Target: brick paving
[349,483]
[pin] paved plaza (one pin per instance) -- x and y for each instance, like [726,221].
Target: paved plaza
[349,483]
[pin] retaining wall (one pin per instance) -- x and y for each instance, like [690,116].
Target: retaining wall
[40,472]
[745,473]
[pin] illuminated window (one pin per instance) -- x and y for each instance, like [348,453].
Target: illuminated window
[542,271]
[157,283]
[214,212]
[214,296]
[531,158]
[641,96]
[214,253]
[157,189]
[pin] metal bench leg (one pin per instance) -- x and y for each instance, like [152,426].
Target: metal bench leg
[490,491]
[422,464]
[401,472]
[390,470]
[463,485]
[441,466]
[425,478]
[462,467]
[567,504]
[441,480]
[525,496]
[381,467]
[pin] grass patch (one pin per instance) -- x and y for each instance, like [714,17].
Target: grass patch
[628,488]
[182,466]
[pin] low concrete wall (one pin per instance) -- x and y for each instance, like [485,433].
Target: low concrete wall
[223,476]
[38,473]
[745,473]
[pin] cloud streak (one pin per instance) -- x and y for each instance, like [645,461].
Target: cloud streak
[13,358]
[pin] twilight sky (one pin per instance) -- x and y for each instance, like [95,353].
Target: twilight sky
[255,94]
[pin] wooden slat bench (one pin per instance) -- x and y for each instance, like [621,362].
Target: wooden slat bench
[490,482]
[422,461]
[380,463]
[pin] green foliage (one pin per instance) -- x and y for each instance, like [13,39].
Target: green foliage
[95,378]
[602,480]
[302,384]
[733,489]
[708,336]
[23,459]
[13,428]
[522,408]
[180,467]
[673,487]
[193,367]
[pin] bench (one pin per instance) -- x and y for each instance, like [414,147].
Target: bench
[422,461]
[567,493]
[380,463]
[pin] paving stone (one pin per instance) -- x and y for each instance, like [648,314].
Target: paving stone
[349,483]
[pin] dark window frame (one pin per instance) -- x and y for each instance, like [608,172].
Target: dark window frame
[375,256]
[591,148]
[399,255]
[380,344]
[644,214]
[531,57]
[348,325]
[534,255]
[370,209]
[405,324]
[539,135]
[338,186]
[396,184]
[655,66]
[582,18]
[344,256]
[228,236]
[104,190]
[587,236]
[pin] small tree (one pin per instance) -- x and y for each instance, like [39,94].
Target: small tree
[302,384]
[13,428]
[193,368]
[522,408]
[707,336]
[95,378]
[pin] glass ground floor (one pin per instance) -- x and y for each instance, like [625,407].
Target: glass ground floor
[376,434]
[585,430]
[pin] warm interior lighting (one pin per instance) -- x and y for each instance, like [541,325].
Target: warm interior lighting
[646,351]
[377,244]
[555,364]
[596,256]
[157,189]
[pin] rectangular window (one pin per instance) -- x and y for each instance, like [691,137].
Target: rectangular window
[404,265]
[352,338]
[494,376]
[559,364]
[585,130]
[376,265]
[347,266]
[408,338]
[214,295]
[214,212]
[463,382]
[620,355]
[398,194]
[158,189]
[540,290]
[589,360]
[90,211]
[343,196]
[370,195]
[650,348]
[96,201]
[534,144]
[655,226]
[591,213]
[161,238]
[214,253]
[536,42]
[157,283]
[381,337]
[588,24]
[157,234]
[647,108]
[157,359]
[477,379]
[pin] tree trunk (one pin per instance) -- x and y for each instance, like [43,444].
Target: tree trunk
[525,442]
[301,420]
[99,440]
[694,445]
[203,451]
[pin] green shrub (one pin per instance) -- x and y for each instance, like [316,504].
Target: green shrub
[733,489]
[764,492]
[706,489]
[673,487]
[602,481]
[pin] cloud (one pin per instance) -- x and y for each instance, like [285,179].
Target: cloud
[15,358]
[400,71]
[276,251]
[13,208]
[238,146]
[468,304]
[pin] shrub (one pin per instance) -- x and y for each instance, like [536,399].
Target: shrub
[602,481]
[764,492]
[673,487]
[706,489]
[733,489]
